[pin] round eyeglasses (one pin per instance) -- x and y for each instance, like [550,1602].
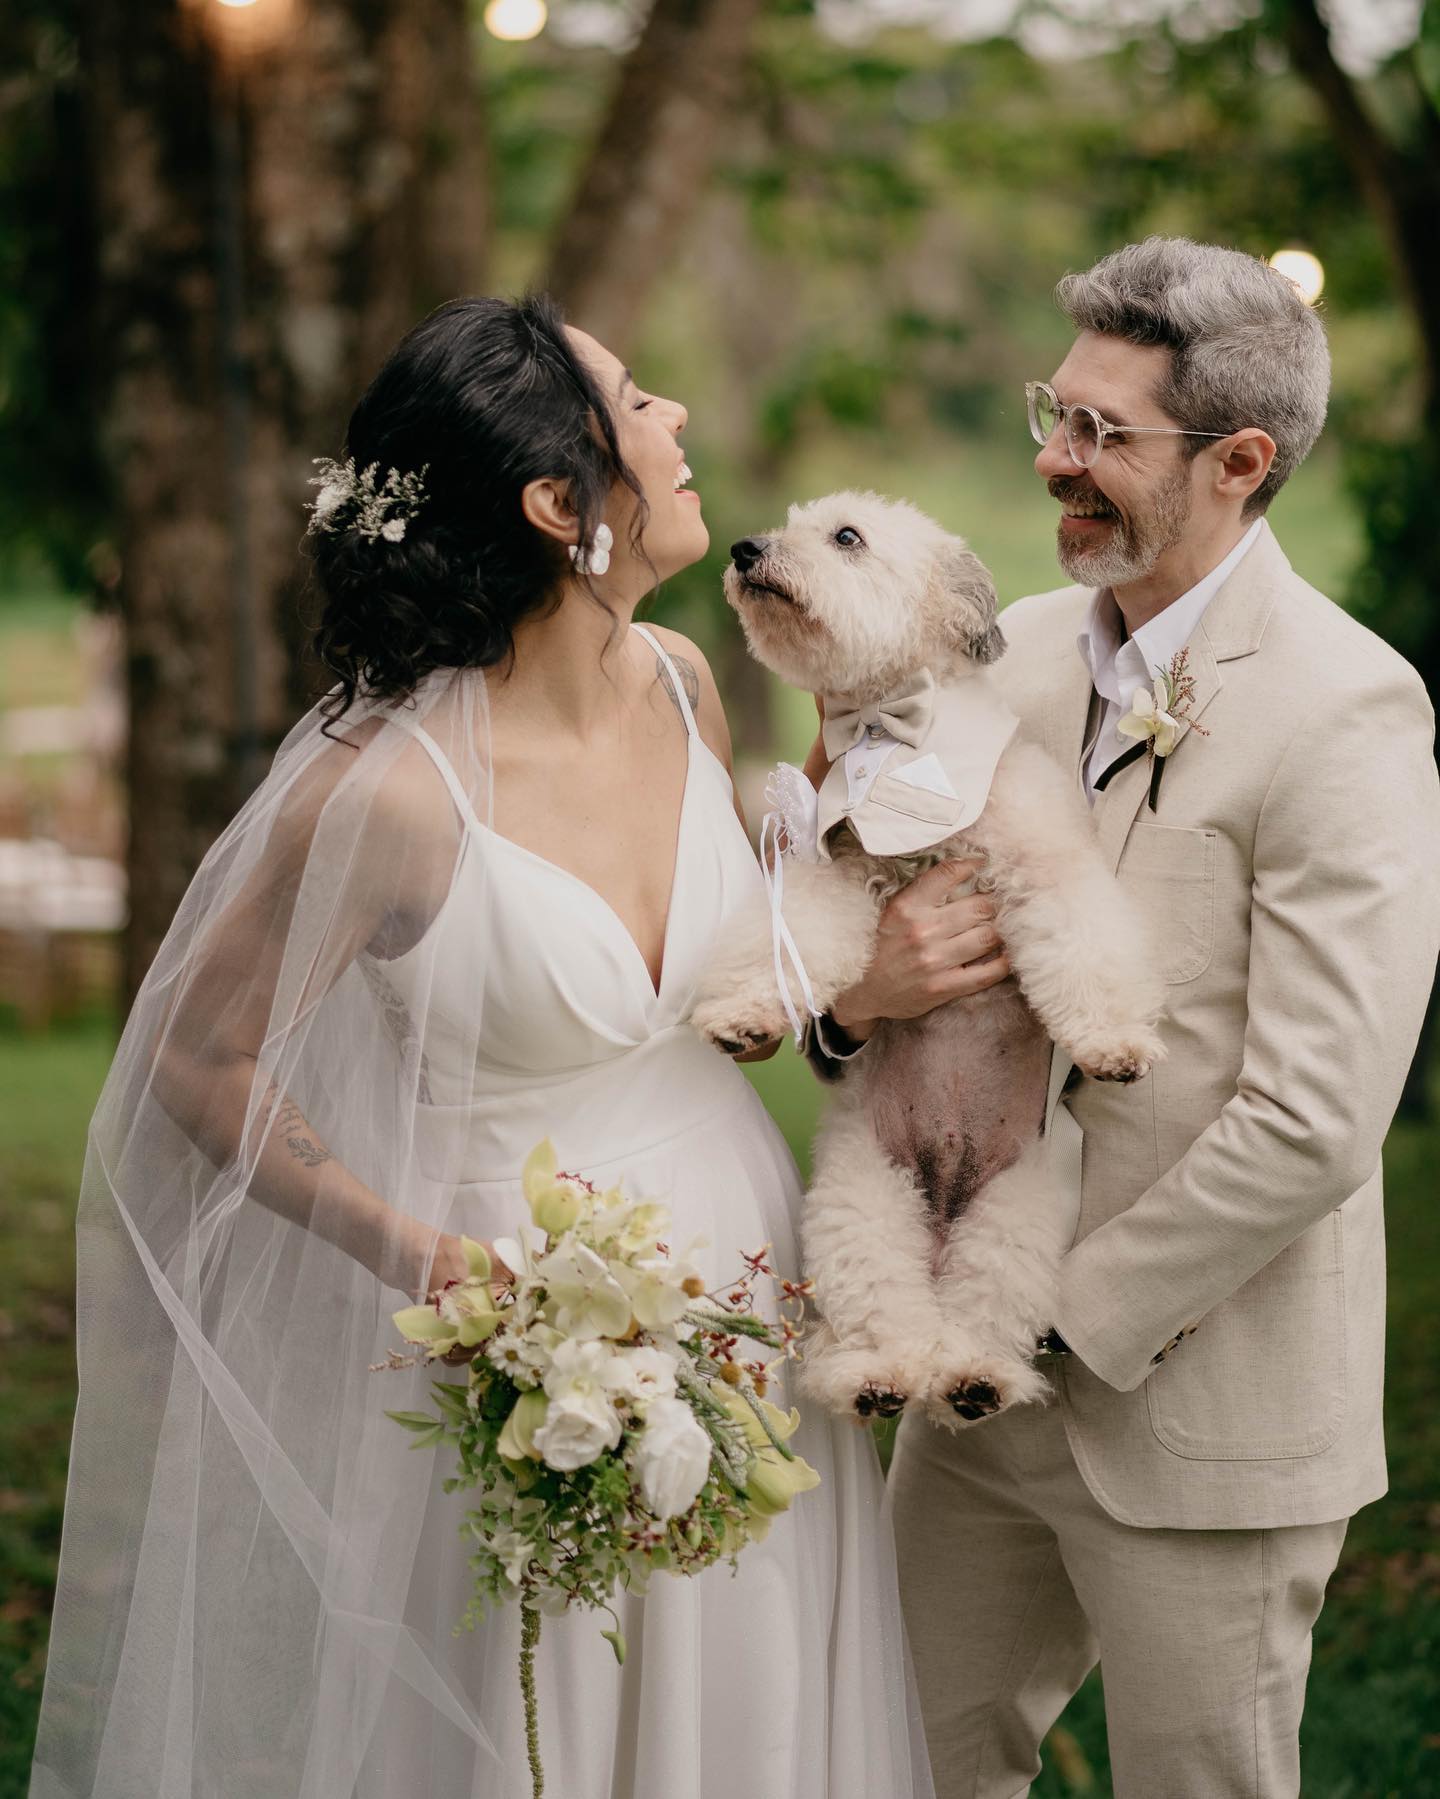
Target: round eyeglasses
[1085,430]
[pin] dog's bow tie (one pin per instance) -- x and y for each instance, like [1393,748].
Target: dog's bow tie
[905,716]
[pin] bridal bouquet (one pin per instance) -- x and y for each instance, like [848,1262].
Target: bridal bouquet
[613,1419]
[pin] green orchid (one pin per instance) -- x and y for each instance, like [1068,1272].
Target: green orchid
[774,1477]
[517,1440]
[464,1314]
[556,1204]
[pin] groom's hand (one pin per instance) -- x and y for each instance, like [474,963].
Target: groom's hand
[929,949]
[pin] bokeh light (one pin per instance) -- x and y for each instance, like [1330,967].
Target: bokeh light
[1305,270]
[516,21]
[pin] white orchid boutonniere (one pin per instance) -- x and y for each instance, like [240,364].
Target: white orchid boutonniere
[1156,718]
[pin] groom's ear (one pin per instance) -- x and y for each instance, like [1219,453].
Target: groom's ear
[966,594]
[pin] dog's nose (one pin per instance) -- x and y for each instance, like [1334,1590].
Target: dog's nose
[748,552]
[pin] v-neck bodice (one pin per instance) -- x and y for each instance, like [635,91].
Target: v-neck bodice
[571,1024]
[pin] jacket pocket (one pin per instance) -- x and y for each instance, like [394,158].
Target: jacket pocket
[1170,871]
[915,802]
[1264,1376]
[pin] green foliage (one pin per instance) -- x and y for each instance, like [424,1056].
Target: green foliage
[1394,485]
[51,511]
[1427,53]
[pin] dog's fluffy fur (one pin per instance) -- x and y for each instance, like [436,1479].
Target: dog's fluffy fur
[931,1226]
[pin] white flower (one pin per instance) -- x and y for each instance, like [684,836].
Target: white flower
[672,1458]
[642,1375]
[513,1551]
[393,530]
[579,1369]
[587,1299]
[1148,718]
[332,495]
[576,1432]
[656,1289]
[646,1224]
[524,1354]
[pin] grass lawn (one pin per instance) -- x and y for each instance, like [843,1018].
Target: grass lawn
[1373,1724]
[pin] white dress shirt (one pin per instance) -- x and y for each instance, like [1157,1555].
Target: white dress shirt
[1119,664]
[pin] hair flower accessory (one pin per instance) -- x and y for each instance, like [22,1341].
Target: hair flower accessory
[1156,719]
[593,558]
[360,501]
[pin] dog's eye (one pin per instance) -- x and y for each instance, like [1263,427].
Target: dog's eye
[848,539]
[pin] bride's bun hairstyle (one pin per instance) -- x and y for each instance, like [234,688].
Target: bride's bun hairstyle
[423,555]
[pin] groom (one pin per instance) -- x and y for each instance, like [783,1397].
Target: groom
[1218,1342]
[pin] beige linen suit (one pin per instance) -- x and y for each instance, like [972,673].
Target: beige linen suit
[1180,1517]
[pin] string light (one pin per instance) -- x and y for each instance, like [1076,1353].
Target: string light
[1305,270]
[516,21]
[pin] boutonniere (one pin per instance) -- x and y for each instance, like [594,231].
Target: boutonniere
[1155,718]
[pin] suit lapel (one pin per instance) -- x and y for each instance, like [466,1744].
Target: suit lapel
[1067,711]
[1232,626]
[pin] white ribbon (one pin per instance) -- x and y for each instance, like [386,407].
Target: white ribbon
[782,942]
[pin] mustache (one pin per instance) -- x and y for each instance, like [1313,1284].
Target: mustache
[1066,487]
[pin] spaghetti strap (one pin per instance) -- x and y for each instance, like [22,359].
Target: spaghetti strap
[682,699]
[443,764]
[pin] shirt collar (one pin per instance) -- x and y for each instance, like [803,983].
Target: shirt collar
[1102,642]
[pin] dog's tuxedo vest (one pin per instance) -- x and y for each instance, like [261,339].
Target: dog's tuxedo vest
[912,769]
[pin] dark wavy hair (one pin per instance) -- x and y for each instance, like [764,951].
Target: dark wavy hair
[486,396]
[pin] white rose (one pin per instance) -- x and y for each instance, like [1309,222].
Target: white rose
[672,1458]
[577,1432]
[579,1368]
[641,1375]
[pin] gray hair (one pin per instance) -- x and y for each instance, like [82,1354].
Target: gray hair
[1245,348]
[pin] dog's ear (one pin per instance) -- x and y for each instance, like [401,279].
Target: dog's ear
[967,594]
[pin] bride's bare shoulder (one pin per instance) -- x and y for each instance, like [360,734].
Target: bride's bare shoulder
[383,780]
[700,689]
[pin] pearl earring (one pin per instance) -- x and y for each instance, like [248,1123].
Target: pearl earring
[594,558]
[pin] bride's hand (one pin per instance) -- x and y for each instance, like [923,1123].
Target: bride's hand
[450,1265]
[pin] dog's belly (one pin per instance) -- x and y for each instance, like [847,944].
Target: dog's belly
[955,1096]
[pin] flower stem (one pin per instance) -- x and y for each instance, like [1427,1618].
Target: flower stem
[529,1637]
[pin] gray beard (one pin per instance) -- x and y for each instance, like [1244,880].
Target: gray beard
[1134,548]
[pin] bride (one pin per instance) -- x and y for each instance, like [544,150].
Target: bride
[464,911]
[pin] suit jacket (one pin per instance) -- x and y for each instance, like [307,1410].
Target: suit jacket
[1290,877]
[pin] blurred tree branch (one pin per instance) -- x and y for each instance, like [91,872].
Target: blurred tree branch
[1399,183]
[650,163]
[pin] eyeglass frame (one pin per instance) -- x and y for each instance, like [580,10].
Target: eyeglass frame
[1103,427]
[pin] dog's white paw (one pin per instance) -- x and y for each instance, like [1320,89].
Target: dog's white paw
[1124,1056]
[864,1381]
[737,1026]
[976,1387]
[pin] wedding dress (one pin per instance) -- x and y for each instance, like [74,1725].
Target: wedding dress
[786,1679]
[259,1579]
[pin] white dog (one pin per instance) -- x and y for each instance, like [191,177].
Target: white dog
[931,1226]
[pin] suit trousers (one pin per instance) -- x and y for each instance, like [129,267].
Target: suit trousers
[1015,1581]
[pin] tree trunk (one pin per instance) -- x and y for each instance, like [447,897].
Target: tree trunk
[650,163]
[276,212]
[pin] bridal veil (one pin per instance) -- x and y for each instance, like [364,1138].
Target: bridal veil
[242,1518]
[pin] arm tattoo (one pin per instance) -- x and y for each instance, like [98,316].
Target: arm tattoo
[290,1124]
[689,680]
